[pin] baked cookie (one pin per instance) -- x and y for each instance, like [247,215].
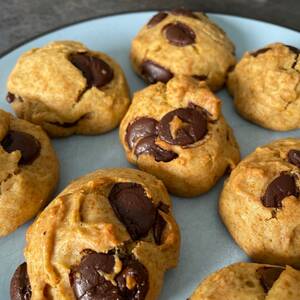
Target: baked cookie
[249,281]
[108,235]
[28,171]
[68,89]
[176,131]
[260,203]
[265,87]
[182,42]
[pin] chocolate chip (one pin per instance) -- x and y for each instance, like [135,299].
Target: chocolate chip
[200,77]
[294,157]
[86,281]
[10,98]
[157,19]
[96,71]
[20,288]
[282,186]
[193,126]
[268,275]
[147,146]
[158,228]
[179,34]
[140,128]
[260,51]
[153,72]
[133,281]
[183,12]
[29,146]
[133,208]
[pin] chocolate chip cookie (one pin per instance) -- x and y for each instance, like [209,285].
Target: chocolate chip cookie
[249,281]
[176,131]
[260,203]
[28,171]
[182,42]
[265,87]
[68,89]
[108,235]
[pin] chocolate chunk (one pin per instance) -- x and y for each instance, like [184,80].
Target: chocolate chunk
[29,146]
[282,186]
[294,157]
[20,288]
[268,275]
[157,19]
[96,71]
[200,77]
[133,208]
[193,126]
[153,72]
[158,228]
[140,128]
[183,12]
[86,281]
[133,281]
[179,34]
[147,146]
[260,51]
[10,98]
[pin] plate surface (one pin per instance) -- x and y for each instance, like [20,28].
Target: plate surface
[206,245]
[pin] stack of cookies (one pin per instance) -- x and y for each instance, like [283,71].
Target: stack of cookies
[111,234]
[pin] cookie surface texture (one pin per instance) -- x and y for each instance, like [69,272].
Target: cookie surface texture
[108,235]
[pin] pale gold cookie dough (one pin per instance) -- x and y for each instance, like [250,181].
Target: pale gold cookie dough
[265,87]
[26,181]
[81,219]
[201,49]
[249,281]
[46,88]
[260,203]
[187,170]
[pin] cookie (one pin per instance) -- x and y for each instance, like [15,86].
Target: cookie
[68,89]
[176,131]
[28,171]
[108,235]
[265,87]
[260,203]
[249,281]
[182,42]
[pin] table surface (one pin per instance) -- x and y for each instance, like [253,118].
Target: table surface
[21,20]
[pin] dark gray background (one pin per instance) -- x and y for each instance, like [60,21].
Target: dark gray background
[21,20]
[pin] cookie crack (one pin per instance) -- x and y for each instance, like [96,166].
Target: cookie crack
[70,124]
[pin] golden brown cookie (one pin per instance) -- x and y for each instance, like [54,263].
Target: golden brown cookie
[265,87]
[182,42]
[249,281]
[176,131]
[108,235]
[68,89]
[260,203]
[28,171]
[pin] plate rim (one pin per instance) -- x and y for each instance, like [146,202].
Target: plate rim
[64,26]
